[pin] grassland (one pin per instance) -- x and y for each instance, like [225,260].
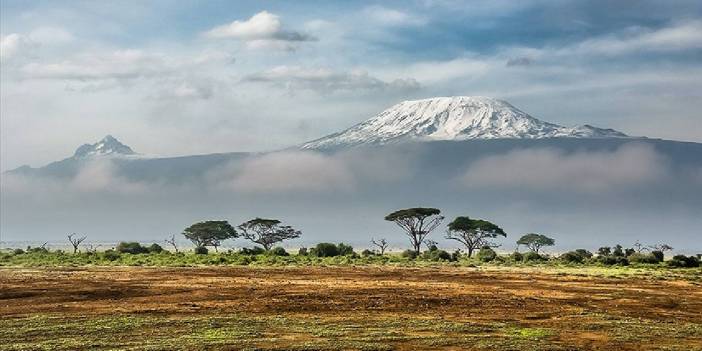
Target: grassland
[331,305]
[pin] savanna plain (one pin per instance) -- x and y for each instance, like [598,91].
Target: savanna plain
[327,305]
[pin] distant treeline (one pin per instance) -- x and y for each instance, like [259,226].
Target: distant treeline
[475,235]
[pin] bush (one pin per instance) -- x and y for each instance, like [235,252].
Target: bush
[411,254]
[436,255]
[659,255]
[17,251]
[533,256]
[278,251]
[643,258]
[37,249]
[612,260]
[682,261]
[516,256]
[253,251]
[325,250]
[302,251]
[345,250]
[487,254]
[572,257]
[201,250]
[367,253]
[155,248]
[131,248]
[111,255]
[456,255]
[584,253]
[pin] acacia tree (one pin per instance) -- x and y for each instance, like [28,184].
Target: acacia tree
[209,233]
[267,232]
[473,233]
[382,245]
[417,223]
[75,241]
[535,241]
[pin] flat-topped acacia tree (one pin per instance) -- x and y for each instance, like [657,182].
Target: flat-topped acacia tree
[473,233]
[535,241]
[210,233]
[267,232]
[417,223]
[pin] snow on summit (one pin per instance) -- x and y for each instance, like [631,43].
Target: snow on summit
[454,118]
[109,145]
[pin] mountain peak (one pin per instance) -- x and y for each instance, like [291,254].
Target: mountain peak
[454,118]
[108,145]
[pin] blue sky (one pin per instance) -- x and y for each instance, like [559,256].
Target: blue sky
[182,77]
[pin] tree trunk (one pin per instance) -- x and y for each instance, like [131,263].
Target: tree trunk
[470,252]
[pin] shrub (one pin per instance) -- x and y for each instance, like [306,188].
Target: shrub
[155,248]
[487,254]
[278,251]
[572,257]
[367,253]
[111,255]
[659,255]
[201,250]
[456,255]
[533,256]
[584,253]
[612,260]
[37,249]
[302,251]
[17,251]
[253,251]
[436,255]
[516,256]
[411,254]
[325,250]
[643,258]
[682,261]
[131,248]
[345,250]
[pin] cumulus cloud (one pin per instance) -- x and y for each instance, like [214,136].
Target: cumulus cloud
[325,80]
[287,171]
[262,30]
[554,170]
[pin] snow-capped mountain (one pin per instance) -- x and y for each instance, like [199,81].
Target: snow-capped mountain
[454,118]
[108,146]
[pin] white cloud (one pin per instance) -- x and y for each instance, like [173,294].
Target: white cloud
[13,44]
[287,171]
[680,36]
[325,80]
[392,17]
[262,30]
[51,36]
[554,170]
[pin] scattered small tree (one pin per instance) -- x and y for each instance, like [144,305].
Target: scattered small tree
[267,232]
[172,241]
[209,233]
[417,223]
[662,247]
[535,241]
[382,245]
[76,241]
[473,233]
[639,247]
[431,244]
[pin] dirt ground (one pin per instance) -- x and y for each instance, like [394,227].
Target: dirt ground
[381,308]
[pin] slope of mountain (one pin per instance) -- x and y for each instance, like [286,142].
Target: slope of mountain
[454,118]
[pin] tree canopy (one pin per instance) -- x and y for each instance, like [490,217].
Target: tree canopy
[473,233]
[209,233]
[267,232]
[535,241]
[417,223]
